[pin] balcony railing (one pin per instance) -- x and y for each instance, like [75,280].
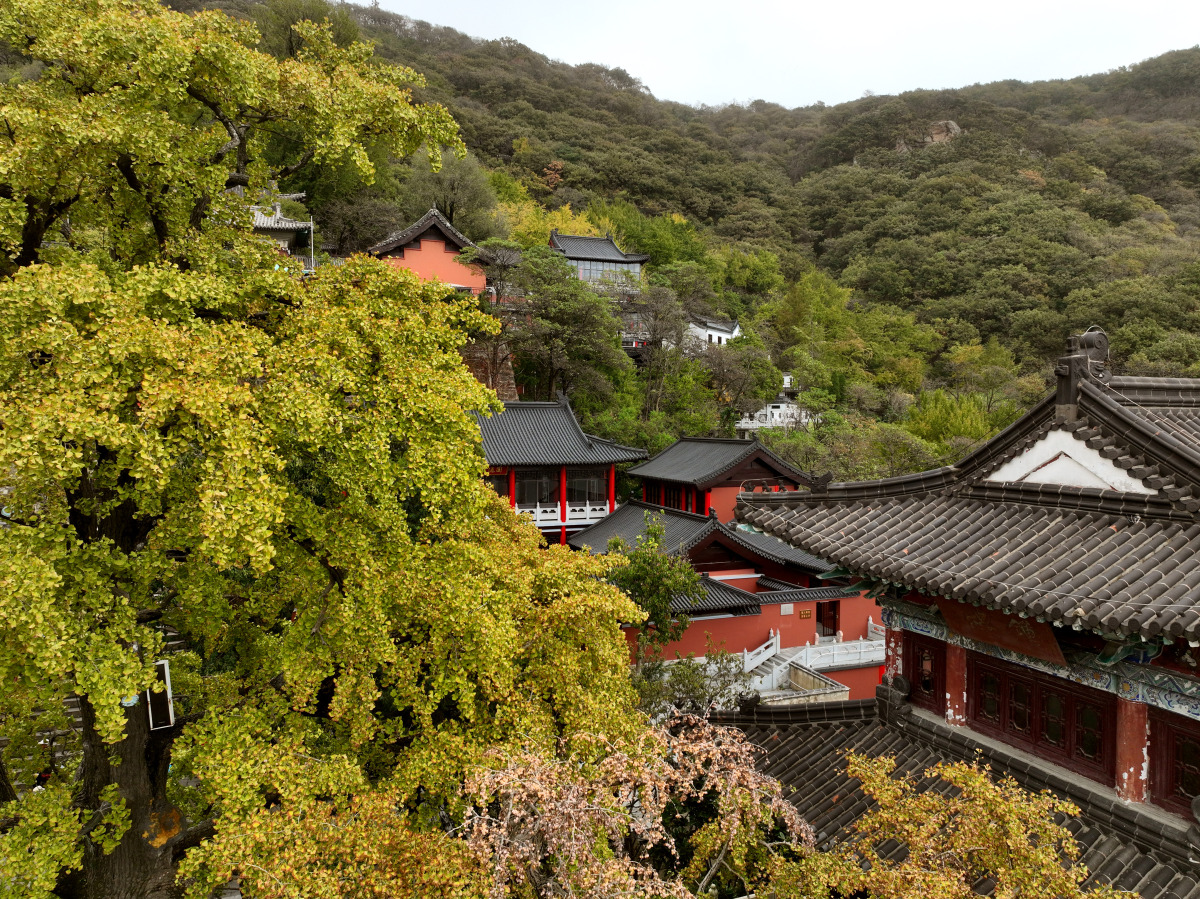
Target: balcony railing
[586,512]
[551,515]
[875,631]
[541,515]
[828,656]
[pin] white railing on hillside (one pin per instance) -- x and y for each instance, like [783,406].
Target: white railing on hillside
[855,654]
[752,658]
[875,631]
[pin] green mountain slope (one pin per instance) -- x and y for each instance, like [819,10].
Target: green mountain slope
[1008,213]
[1059,204]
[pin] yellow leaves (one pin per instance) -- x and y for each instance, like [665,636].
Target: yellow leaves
[530,225]
[982,828]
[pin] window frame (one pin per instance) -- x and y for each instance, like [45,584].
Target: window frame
[593,482]
[548,486]
[935,700]
[1165,729]
[1075,698]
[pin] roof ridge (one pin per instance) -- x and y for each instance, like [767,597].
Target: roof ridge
[657,507]
[563,401]
[404,235]
[735,533]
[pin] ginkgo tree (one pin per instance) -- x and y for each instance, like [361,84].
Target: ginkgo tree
[271,480]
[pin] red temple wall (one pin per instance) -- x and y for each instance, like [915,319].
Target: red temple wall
[861,681]
[723,500]
[752,631]
[435,260]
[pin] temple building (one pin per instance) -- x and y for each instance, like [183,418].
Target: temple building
[764,599]
[292,236]
[706,474]
[702,329]
[1042,605]
[598,259]
[430,247]
[549,469]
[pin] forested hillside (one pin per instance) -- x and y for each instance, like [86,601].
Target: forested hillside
[918,276]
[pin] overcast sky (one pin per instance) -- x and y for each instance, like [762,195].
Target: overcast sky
[799,53]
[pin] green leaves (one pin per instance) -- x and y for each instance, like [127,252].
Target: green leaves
[143,117]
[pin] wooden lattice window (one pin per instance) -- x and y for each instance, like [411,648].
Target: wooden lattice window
[924,665]
[1174,761]
[1057,719]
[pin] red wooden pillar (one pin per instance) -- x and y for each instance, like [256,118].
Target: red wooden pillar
[562,494]
[707,501]
[643,491]
[1133,750]
[956,685]
[512,488]
[612,487]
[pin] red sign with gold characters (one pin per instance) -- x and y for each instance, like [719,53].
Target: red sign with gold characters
[1024,635]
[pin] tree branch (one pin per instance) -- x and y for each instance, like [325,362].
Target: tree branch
[712,872]
[295,166]
[7,792]
[235,136]
[125,167]
[192,837]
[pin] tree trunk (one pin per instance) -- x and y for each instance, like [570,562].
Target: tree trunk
[142,866]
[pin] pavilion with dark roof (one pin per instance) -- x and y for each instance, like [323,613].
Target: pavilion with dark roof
[597,259]
[704,474]
[757,590]
[548,468]
[1042,598]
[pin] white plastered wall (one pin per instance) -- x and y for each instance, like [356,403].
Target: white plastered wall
[1058,458]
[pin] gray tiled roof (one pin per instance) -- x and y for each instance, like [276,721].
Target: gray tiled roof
[432,219]
[696,460]
[592,249]
[1132,847]
[267,219]
[539,434]
[723,324]
[780,550]
[719,597]
[681,530]
[802,594]
[1117,563]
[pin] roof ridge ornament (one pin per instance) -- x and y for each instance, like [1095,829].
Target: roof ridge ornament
[1086,359]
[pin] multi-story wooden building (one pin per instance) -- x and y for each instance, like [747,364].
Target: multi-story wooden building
[706,474]
[549,469]
[1043,598]
[598,259]
[763,598]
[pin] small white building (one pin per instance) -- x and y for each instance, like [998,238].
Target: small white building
[719,331]
[781,412]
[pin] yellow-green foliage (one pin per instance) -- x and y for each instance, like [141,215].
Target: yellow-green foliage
[983,828]
[285,470]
